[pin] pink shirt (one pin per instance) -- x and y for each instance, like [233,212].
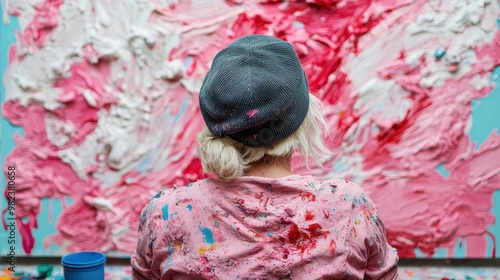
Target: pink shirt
[295,227]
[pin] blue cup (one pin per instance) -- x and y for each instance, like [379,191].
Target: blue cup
[84,266]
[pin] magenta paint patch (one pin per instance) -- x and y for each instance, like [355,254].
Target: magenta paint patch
[252,113]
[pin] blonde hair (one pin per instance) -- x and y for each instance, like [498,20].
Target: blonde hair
[228,159]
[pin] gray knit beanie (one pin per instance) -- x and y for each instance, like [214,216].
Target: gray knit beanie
[256,91]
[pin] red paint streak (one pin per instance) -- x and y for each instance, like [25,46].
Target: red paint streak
[493,241]
[192,172]
[294,234]
[375,152]
[332,246]
[184,200]
[265,203]
[255,213]
[315,230]
[355,232]
[326,213]
[286,253]
[301,239]
[324,59]
[309,215]
[324,3]
[246,24]
[259,195]
[408,250]
[309,196]
[25,230]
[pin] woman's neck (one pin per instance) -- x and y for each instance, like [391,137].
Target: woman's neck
[271,167]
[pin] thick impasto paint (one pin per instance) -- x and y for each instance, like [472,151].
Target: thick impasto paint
[106,95]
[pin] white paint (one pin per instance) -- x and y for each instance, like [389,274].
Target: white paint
[58,132]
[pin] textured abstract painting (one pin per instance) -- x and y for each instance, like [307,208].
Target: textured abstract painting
[100,111]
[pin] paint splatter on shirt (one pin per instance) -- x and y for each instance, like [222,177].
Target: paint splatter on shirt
[295,227]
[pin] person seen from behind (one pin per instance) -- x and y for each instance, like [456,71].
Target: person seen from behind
[257,219]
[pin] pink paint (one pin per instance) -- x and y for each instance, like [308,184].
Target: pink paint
[41,168]
[85,76]
[252,113]
[90,54]
[95,227]
[45,20]
[392,156]
[12,53]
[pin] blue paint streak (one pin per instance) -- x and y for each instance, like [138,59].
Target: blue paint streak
[189,207]
[442,170]
[172,216]
[439,253]
[183,108]
[164,209]
[298,24]
[208,236]
[485,114]
[187,61]
[45,228]
[339,165]
[439,53]
[144,164]
[460,251]
[170,259]
[158,194]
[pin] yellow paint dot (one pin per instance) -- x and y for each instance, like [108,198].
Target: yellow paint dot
[213,247]
[357,222]
[203,250]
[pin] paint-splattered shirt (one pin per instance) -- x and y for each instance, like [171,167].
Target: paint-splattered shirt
[295,227]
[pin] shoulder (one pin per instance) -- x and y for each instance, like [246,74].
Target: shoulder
[165,204]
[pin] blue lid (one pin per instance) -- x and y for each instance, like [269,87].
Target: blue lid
[83,259]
